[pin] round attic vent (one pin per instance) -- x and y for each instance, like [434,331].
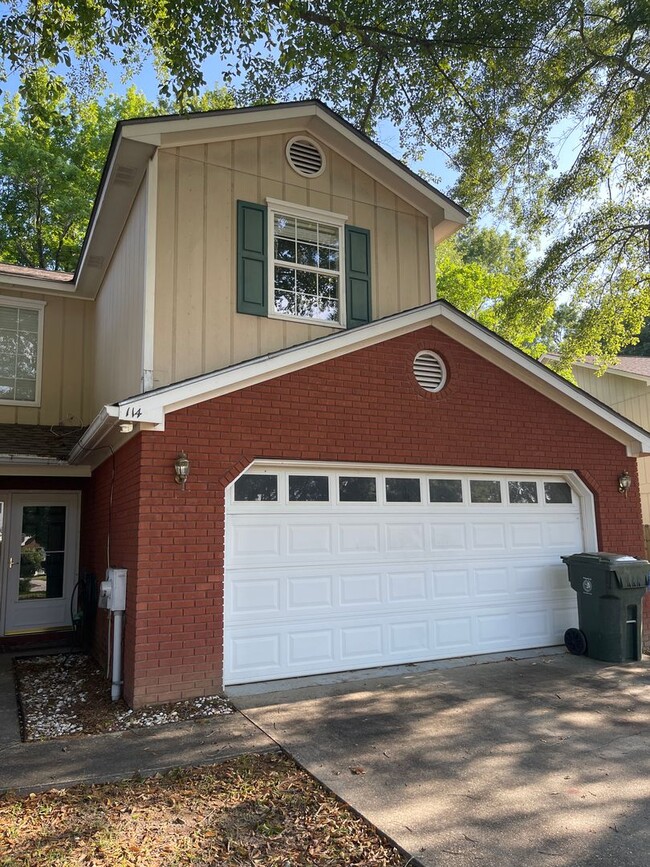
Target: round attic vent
[305,157]
[429,371]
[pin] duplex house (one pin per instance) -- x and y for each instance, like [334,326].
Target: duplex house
[249,398]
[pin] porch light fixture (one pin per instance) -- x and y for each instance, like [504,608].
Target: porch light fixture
[624,482]
[181,470]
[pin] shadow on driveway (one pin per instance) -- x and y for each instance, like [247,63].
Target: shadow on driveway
[537,761]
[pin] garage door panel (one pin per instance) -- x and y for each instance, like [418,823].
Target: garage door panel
[488,536]
[319,587]
[405,538]
[306,539]
[527,535]
[359,538]
[364,590]
[306,593]
[405,587]
[492,583]
[451,584]
[448,537]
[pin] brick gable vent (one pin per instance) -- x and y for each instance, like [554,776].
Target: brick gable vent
[429,371]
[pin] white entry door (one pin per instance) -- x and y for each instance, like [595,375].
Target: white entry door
[40,561]
[329,569]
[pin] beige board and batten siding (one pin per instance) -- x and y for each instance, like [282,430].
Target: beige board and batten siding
[630,397]
[119,314]
[197,328]
[65,358]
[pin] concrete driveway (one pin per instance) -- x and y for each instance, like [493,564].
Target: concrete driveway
[538,761]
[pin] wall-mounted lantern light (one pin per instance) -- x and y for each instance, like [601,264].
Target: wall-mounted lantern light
[624,482]
[181,469]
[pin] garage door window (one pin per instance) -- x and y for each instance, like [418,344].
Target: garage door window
[256,487]
[484,491]
[557,492]
[309,489]
[403,490]
[357,489]
[445,491]
[522,492]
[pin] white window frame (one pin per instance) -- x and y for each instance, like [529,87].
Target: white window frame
[39,306]
[276,206]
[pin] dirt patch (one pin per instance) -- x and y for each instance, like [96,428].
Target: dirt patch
[68,694]
[253,810]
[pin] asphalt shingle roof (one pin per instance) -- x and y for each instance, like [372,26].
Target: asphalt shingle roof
[38,441]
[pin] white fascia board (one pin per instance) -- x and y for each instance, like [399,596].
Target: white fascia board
[545,381]
[152,132]
[151,409]
[175,132]
[36,284]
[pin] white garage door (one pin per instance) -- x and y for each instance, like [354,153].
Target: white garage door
[334,569]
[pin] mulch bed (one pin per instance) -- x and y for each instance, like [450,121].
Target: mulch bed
[68,694]
[258,811]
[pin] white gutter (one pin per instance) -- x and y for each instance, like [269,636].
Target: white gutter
[102,425]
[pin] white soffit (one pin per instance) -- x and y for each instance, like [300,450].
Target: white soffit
[149,410]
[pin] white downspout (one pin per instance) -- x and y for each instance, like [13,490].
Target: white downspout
[116,685]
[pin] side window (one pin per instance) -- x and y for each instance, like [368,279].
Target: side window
[302,263]
[21,338]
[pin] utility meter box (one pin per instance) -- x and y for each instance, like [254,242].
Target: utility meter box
[112,592]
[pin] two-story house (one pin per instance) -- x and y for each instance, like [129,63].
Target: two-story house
[374,478]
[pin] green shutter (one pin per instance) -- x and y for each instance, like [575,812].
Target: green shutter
[251,259]
[357,276]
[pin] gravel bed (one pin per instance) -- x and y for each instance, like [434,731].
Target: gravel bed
[68,694]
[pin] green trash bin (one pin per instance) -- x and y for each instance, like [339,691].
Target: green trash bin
[610,590]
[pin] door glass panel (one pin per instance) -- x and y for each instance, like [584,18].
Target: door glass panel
[256,487]
[522,492]
[42,552]
[557,492]
[445,490]
[357,489]
[483,491]
[401,490]
[314,488]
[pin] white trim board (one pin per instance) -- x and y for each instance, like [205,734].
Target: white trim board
[149,410]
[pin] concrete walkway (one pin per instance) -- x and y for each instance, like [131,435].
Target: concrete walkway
[538,761]
[33,767]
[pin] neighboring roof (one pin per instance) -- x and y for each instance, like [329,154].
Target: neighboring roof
[637,366]
[148,410]
[37,273]
[136,141]
[19,441]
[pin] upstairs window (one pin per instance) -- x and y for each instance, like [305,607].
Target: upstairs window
[21,337]
[302,264]
[306,266]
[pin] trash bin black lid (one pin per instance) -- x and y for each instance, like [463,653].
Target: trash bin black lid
[630,572]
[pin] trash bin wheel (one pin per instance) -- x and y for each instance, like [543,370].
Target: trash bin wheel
[575,641]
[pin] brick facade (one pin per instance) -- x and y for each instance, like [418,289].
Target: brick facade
[363,407]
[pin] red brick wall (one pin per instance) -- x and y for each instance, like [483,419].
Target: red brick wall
[112,499]
[364,407]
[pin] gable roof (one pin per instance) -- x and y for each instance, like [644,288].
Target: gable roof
[148,410]
[136,141]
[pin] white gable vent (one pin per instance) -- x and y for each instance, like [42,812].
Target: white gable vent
[429,371]
[305,157]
